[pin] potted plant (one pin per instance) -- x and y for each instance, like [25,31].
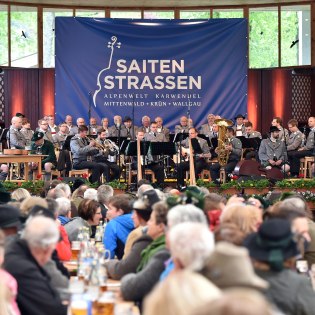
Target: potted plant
[230,188]
[119,188]
[288,185]
[255,186]
[211,186]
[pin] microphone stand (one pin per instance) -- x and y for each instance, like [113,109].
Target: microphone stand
[285,155]
[89,111]
[119,129]
[133,118]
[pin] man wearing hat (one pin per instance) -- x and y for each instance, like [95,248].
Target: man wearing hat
[45,147]
[128,129]
[272,151]
[137,240]
[274,251]
[239,127]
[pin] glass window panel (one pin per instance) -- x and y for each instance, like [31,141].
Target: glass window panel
[49,34]
[263,38]
[158,14]
[295,35]
[125,14]
[227,13]
[195,14]
[24,51]
[90,14]
[4,56]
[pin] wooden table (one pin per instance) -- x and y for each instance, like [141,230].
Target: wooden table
[23,159]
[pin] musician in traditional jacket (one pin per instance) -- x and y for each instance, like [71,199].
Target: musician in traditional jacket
[161,128]
[128,130]
[239,127]
[43,127]
[153,135]
[110,149]
[82,148]
[27,132]
[146,120]
[234,149]
[42,146]
[105,126]
[115,130]
[207,129]
[74,129]
[199,159]
[250,133]
[296,136]
[15,137]
[60,137]
[183,125]
[306,150]
[93,127]
[272,151]
[284,133]
[149,162]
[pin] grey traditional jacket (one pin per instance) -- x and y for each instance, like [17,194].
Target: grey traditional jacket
[295,140]
[269,150]
[16,139]
[81,149]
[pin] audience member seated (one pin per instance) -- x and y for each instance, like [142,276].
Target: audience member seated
[135,286]
[20,194]
[25,259]
[229,266]
[237,302]
[104,192]
[89,214]
[142,209]
[64,210]
[119,226]
[180,294]
[8,286]
[274,251]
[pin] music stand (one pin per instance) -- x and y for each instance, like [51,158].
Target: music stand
[117,140]
[66,145]
[131,150]
[196,146]
[179,137]
[205,137]
[214,142]
[3,137]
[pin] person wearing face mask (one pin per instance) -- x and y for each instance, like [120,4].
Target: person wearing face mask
[272,151]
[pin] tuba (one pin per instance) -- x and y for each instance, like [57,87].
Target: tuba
[223,140]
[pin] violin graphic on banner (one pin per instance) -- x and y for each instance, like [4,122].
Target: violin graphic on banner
[112,44]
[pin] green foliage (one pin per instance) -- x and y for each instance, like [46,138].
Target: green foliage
[116,184]
[207,184]
[296,184]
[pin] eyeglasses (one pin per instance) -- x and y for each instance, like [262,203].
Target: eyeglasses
[44,124]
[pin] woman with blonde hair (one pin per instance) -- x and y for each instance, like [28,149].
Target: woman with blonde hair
[246,217]
[20,194]
[180,293]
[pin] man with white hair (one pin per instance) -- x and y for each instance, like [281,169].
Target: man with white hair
[25,259]
[64,210]
[178,215]
[104,192]
[91,194]
[15,137]
[191,244]
[115,130]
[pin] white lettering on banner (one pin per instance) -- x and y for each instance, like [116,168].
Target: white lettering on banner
[159,82]
[150,66]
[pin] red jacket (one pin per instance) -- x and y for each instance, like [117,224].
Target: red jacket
[63,247]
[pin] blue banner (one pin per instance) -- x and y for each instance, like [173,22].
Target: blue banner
[166,68]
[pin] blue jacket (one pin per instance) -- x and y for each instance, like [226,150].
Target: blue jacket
[116,233]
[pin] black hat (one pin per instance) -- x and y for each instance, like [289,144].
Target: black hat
[127,118]
[42,211]
[273,243]
[145,203]
[9,217]
[239,116]
[5,196]
[274,129]
[20,115]
[38,135]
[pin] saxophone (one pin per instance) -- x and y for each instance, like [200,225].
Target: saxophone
[223,140]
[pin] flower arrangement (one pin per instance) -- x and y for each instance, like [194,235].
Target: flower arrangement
[116,184]
[296,184]
[206,184]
